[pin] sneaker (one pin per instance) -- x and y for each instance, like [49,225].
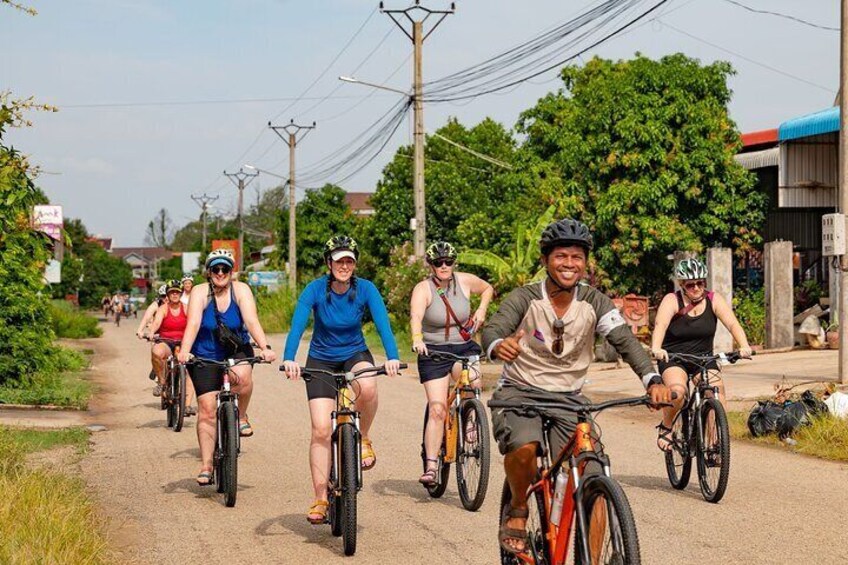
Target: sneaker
[157,390]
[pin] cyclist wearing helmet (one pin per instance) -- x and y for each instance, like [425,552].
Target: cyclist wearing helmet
[544,332]
[225,301]
[337,302]
[441,320]
[686,323]
[187,284]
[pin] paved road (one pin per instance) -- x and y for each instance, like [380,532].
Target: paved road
[780,508]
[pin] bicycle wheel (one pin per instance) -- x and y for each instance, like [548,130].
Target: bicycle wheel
[713,451]
[438,489]
[612,536]
[349,474]
[537,529]
[168,398]
[472,459]
[229,459]
[678,461]
[179,397]
[334,511]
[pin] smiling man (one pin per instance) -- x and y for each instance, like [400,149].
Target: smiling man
[545,334]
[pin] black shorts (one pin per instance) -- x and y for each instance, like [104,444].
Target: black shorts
[322,386]
[691,369]
[429,369]
[210,378]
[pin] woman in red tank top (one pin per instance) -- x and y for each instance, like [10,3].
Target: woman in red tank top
[170,323]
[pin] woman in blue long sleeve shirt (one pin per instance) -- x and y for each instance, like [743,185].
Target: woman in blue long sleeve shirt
[338,301]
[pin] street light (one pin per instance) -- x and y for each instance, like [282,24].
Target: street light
[251,167]
[373,85]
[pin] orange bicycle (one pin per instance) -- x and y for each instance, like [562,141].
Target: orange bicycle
[562,497]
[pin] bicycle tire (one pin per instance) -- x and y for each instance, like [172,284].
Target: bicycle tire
[478,455]
[170,407]
[229,461]
[713,487]
[334,511]
[349,478]
[180,397]
[537,529]
[620,525]
[678,461]
[438,489]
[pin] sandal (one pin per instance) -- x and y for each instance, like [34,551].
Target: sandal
[157,390]
[189,411]
[430,476]
[204,478]
[506,533]
[244,429]
[368,453]
[664,434]
[319,509]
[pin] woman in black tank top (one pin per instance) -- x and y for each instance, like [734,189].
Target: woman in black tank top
[686,323]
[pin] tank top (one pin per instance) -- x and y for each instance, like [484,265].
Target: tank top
[436,316]
[691,334]
[173,326]
[206,345]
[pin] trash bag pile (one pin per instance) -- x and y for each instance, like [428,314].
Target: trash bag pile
[785,416]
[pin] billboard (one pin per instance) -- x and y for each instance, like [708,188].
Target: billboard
[191,261]
[231,244]
[48,219]
[270,279]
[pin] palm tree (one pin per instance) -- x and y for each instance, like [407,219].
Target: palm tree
[522,266]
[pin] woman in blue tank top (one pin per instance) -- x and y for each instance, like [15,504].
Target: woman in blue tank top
[231,302]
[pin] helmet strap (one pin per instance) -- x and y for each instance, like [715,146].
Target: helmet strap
[560,288]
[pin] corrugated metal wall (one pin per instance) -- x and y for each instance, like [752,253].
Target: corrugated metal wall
[802,227]
[805,162]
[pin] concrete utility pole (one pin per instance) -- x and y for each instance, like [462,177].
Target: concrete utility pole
[417,15]
[240,183]
[290,136]
[843,190]
[204,201]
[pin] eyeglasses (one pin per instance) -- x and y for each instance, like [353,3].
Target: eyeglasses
[559,329]
[220,270]
[443,262]
[691,285]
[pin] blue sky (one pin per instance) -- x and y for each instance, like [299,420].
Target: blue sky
[120,164]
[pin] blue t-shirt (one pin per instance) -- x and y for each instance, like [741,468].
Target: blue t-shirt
[337,334]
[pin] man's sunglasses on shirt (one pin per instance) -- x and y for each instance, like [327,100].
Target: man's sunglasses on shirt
[559,329]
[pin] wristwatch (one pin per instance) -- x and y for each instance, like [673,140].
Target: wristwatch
[268,346]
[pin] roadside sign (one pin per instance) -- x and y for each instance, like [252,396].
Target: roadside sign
[48,219]
[270,279]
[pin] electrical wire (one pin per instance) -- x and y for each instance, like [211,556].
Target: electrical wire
[781,15]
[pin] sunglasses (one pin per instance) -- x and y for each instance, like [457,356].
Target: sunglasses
[220,270]
[559,329]
[691,285]
[442,262]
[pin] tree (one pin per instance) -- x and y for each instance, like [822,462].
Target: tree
[160,230]
[645,151]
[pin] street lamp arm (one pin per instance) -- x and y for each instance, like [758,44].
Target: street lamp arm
[373,85]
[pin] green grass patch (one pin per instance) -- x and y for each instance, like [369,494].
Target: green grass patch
[61,384]
[826,437]
[45,516]
[70,322]
[276,310]
[402,337]
[30,440]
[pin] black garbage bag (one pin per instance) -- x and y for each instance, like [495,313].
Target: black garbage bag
[814,406]
[764,417]
[795,415]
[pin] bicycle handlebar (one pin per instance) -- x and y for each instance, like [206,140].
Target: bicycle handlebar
[731,357]
[227,362]
[157,339]
[447,356]
[539,407]
[350,376]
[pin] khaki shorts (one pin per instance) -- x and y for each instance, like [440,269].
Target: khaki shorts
[513,430]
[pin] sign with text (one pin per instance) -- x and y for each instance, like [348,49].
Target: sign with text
[48,219]
[271,279]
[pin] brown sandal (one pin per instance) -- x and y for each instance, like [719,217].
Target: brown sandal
[506,533]
[318,508]
[664,434]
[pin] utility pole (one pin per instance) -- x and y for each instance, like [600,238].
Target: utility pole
[240,183]
[417,15]
[289,133]
[204,201]
[843,190]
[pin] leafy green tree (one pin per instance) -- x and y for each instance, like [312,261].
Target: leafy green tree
[645,151]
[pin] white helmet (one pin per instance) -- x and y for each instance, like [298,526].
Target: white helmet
[187,277]
[163,290]
[220,257]
[690,269]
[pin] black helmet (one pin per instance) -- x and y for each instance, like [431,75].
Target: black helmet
[173,284]
[440,250]
[565,232]
[340,243]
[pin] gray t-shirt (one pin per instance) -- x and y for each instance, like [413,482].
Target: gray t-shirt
[436,318]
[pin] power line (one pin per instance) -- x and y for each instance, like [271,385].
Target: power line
[781,15]
[202,102]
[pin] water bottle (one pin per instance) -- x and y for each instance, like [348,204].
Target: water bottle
[559,497]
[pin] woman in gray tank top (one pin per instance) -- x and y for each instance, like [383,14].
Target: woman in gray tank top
[441,320]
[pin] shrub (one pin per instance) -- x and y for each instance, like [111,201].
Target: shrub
[57,384]
[750,308]
[276,309]
[70,322]
[401,276]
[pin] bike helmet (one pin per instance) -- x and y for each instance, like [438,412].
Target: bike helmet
[340,246]
[174,284]
[187,277]
[163,290]
[440,250]
[563,233]
[690,269]
[220,257]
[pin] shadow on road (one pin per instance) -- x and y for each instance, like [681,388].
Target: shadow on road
[407,488]
[190,453]
[155,404]
[189,484]
[297,524]
[653,483]
[157,423]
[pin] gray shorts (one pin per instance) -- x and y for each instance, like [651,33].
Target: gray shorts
[513,430]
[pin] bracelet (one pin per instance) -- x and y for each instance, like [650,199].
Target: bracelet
[417,336]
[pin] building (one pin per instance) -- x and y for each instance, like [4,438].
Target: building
[144,262]
[360,203]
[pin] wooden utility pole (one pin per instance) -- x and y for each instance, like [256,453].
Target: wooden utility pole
[843,190]
[417,15]
[292,131]
[204,201]
[240,178]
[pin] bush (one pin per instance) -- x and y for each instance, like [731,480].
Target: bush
[57,384]
[750,309]
[807,294]
[276,310]
[70,322]
[401,276]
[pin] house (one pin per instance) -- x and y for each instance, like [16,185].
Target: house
[360,203]
[144,262]
[104,242]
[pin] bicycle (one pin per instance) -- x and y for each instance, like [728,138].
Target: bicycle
[345,479]
[471,457]
[700,430]
[561,497]
[228,443]
[173,397]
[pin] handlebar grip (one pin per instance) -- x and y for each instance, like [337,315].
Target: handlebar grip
[403,366]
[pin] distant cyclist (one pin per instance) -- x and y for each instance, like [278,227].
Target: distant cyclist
[686,323]
[441,320]
[188,284]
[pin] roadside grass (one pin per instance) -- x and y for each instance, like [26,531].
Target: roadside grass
[402,337]
[275,310]
[61,384]
[70,322]
[826,437]
[45,516]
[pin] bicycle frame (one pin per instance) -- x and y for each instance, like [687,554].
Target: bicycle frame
[225,395]
[461,387]
[695,395]
[343,415]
